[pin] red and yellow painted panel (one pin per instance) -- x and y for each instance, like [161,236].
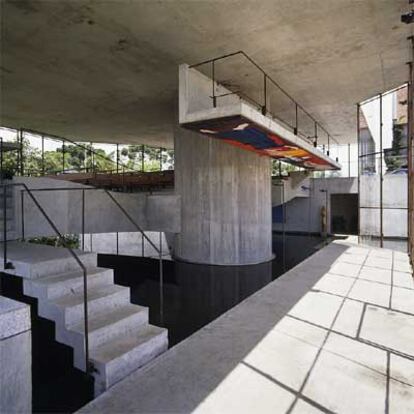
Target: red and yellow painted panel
[243,133]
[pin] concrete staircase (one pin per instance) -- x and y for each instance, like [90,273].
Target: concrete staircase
[120,338]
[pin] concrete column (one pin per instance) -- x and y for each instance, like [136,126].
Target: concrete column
[225,202]
[15,357]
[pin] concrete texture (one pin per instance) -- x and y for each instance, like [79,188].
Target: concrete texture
[109,71]
[301,344]
[129,244]
[225,202]
[304,213]
[158,212]
[15,357]
[121,339]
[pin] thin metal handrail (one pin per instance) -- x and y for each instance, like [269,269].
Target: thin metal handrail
[267,77]
[71,251]
[120,207]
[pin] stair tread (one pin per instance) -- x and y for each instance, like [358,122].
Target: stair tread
[74,274]
[73,299]
[107,318]
[120,346]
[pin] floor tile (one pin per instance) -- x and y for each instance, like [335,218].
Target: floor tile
[284,358]
[402,267]
[318,308]
[349,318]
[379,262]
[343,386]
[358,352]
[358,250]
[371,292]
[246,391]
[383,253]
[375,274]
[302,407]
[303,331]
[401,257]
[352,258]
[403,299]
[345,269]
[402,369]
[390,329]
[403,279]
[335,284]
[401,399]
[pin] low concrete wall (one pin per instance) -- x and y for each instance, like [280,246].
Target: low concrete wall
[156,212]
[304,214]
[15,357]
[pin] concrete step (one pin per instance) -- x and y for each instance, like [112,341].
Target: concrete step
[55,286]
[116,359]
[68,310]
[33,261]
[103,327]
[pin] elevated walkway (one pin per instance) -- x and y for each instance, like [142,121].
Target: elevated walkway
[208,107]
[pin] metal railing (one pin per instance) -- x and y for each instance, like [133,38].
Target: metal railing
[314,130]
[119,207]
[9,265]
[90,163]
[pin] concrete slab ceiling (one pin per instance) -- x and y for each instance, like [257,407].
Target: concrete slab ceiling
[107,70]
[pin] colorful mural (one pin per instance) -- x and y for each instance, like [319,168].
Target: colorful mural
[243,133]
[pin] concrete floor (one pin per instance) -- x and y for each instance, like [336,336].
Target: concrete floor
[334,334]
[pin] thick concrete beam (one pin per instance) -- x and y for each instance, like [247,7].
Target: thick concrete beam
[15,357]
[225,202]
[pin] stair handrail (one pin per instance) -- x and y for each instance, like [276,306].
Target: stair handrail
[122,209]
[8,265]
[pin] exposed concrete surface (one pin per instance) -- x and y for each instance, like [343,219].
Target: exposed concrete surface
[109,71]
[304,214]
[15,357]
[225,202]
[301,344]
[157,212]
[121,339]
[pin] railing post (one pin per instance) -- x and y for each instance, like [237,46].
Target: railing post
[83,220]
[161,285]
[21,154]
[117,158]
[315,143]
[43,155]
[295,130]
[63,155]
[264,107]
[4,227]
[213,84]
[22,212]
[85,315]
[1,160]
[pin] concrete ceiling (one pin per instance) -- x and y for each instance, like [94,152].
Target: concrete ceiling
[107,70]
